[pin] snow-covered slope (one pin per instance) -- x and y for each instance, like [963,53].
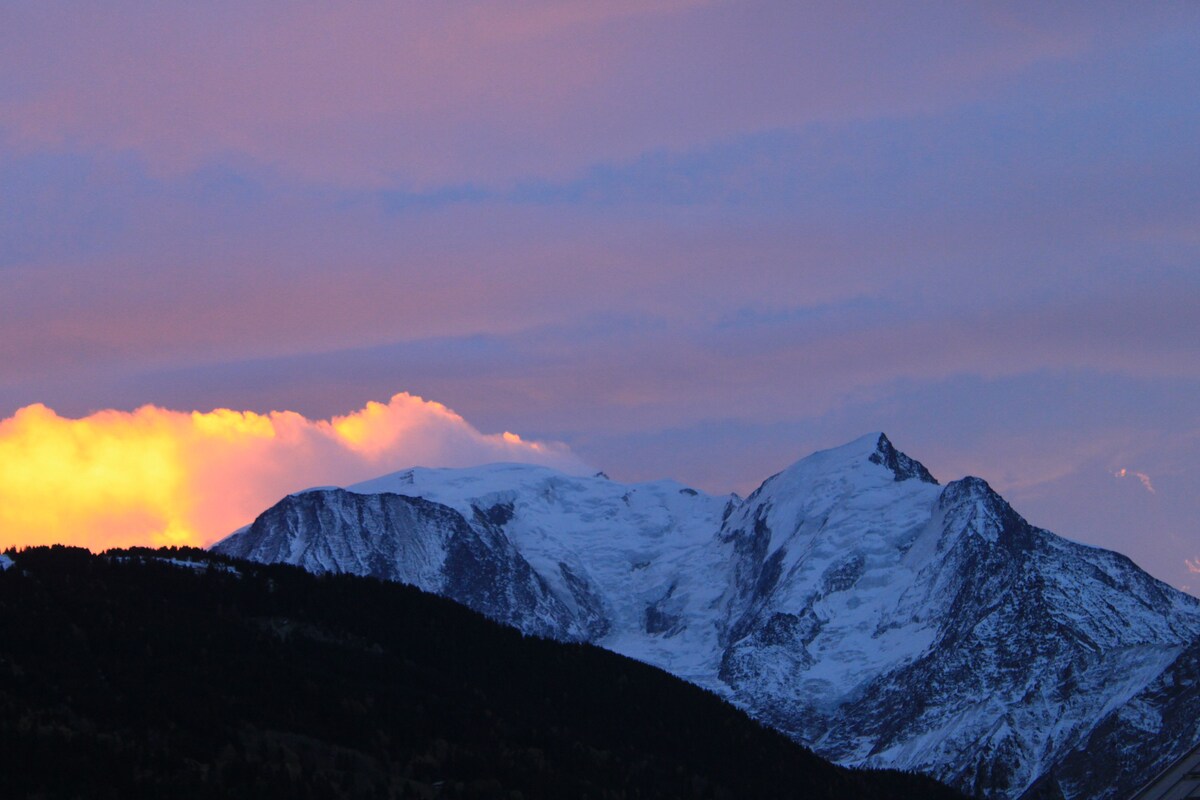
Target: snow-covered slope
[634,563]
[851,601]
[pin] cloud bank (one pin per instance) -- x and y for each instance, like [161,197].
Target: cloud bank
[156,476]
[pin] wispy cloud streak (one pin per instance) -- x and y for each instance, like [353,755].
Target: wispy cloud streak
[1141,476]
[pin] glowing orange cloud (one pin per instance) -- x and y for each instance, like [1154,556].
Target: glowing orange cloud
[1193,566]
[155,476]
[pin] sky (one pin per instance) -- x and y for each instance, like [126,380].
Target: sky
[666,238]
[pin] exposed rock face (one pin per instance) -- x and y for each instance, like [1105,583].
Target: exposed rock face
[850,601]
[409,539]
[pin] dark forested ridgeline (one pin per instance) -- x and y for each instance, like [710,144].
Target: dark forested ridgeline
[126,675]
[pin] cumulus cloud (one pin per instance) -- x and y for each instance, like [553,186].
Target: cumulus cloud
[156,476]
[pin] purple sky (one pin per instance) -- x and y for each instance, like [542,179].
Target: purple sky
[688,239]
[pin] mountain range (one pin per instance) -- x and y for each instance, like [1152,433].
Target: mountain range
[184,675]
[851,602]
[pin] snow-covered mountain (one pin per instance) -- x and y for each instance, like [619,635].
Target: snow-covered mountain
[850,601]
